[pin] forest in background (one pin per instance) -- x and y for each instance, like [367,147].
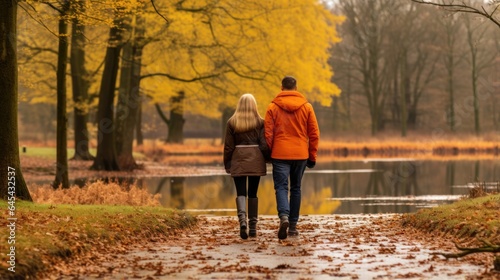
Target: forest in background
[401,67]
[191,59]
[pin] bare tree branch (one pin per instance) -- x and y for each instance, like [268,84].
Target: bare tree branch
[53,7]
[464,8]
[187,80]
[37,50]
[158,12]
[37,20]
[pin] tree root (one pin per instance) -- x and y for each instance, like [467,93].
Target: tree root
[487,248]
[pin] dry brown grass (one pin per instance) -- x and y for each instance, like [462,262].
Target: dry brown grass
[95,193]
[190,146]
[481,189]
[187,153]
[414,149]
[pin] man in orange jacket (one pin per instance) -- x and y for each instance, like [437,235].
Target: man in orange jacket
[292,134]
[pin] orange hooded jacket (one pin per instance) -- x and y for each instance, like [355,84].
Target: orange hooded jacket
[291,128]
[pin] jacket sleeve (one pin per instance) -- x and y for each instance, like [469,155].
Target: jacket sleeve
[229,147]
[313,134]
[269,128]
[264,148]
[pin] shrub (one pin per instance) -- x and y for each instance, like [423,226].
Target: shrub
[99,193]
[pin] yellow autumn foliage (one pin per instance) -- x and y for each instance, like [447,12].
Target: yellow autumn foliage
[233,46]
[249,45]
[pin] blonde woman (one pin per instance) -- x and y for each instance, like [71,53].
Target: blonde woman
[245,153]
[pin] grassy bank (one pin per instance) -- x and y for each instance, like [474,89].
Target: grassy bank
[467,219]
[47,234]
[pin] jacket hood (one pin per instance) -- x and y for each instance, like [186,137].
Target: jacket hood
[290,100]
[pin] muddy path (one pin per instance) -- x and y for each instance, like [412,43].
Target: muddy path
[329,247]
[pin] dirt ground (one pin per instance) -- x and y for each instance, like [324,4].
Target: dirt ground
[328,247]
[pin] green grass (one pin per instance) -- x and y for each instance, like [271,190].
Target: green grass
[47,232]
[50,152]
[467,218]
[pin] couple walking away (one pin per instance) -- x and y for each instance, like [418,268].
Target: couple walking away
[288,137]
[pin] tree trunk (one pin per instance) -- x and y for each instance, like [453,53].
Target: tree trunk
[125,156]
[122,106]
[450,66]
[11,177]
[334,113]
[451,94]
[412,116]
[473,47]
[395,107]
[176,122]
[404,93]
[176,127]
[138,126]
[106,151]
[80,87]
[477,126]
[162,115]
[61,179]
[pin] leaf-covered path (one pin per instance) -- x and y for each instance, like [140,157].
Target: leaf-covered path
[329,247]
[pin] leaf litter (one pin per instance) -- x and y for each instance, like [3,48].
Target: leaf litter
[329,246]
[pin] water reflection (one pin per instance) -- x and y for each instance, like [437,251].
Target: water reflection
[216,195]
[375,186]
[348,187]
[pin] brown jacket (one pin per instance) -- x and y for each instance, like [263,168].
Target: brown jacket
[292,131]
[245,152]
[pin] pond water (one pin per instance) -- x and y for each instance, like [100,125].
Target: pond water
[345,187]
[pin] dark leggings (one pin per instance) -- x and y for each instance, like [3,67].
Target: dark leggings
[241,185]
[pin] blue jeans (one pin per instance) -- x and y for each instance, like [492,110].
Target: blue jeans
[282,169]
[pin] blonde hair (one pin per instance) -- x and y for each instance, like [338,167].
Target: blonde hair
[246,117]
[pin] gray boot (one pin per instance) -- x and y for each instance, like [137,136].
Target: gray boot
[292,230]
[241,205]
[283,227]
[253,213]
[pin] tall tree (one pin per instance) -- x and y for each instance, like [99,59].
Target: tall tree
[451,27]
[61,179]
[476,40]
[129,98]
[366,25]
[11,175]
[342,56]
[80,85]
[106,158]
[138,126]
[416,60]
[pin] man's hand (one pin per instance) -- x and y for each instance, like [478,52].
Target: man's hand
[310,163]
